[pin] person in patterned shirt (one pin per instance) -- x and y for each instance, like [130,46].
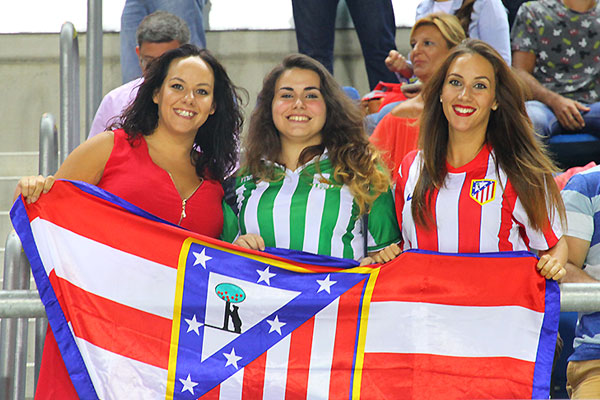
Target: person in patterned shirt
[309,172]
[556,51]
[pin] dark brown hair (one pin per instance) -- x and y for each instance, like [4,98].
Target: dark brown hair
[217,138]
[355,160]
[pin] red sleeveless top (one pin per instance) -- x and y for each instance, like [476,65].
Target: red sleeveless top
[131,174]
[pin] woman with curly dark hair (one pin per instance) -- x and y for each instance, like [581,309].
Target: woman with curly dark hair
[309,171]
[172,150]
[177,140]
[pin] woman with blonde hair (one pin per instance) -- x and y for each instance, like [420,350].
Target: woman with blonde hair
[309,171]
[431,39]
[486,20]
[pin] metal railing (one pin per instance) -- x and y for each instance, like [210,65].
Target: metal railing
[17,304]
[574,297]
[47,165]
[13,331]
[69,90]
[93,70]
[48,158]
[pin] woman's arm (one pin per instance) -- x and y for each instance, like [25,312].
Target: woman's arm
[578,250]
[86,163]
[552,261]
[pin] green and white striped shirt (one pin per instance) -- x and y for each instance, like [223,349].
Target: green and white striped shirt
[307,211]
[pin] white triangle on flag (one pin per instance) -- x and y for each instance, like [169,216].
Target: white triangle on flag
[260,302]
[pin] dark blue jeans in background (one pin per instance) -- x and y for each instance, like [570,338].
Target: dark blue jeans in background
[374,22]
[134,11]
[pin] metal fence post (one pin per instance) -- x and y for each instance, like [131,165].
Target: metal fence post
[48,161]
[13,332]
[94,61]
[48,164]
[69,90]
[580,297]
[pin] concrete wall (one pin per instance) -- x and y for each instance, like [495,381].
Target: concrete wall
[29,72]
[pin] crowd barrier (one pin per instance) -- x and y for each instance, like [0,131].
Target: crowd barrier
[69,89]
[93,71]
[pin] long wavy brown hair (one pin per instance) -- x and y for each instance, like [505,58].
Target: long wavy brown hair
[355,160]
[509,133]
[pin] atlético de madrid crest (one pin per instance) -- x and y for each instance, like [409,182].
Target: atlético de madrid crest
[483,190]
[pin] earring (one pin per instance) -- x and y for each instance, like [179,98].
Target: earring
[441,100]
[494,107]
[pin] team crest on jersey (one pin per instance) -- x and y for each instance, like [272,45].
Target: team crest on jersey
[483,190]
[323,182]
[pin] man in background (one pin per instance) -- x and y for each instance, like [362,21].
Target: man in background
[157,33]
[375,26]
[134,11]
[582,202]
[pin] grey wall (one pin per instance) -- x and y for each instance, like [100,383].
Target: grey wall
[29,72]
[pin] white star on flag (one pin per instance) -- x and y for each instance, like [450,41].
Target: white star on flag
[325,284]
[232,358]
[276,325]
[265,276]
[188,384]
[201,258]
[193,325]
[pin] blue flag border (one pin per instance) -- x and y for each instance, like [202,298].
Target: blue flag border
[74,361]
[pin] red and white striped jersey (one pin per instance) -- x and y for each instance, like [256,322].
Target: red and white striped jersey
[476,211]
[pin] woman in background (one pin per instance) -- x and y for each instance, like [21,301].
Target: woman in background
[486,20]
[431,39]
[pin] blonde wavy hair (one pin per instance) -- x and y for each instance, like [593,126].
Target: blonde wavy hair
[448,25]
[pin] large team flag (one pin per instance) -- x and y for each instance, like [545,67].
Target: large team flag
[142,309]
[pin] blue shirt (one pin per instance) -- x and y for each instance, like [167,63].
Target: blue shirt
[582,202]
[489,22]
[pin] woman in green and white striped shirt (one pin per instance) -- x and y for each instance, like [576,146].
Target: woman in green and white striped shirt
[309,172]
